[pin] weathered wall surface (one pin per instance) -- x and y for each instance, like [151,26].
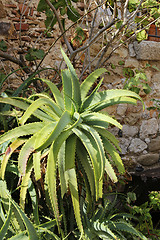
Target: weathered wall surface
[140,135]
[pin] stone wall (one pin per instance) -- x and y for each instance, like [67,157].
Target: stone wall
[140,135]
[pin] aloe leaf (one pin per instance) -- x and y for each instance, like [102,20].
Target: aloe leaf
[38,103]
[34,200]
[100,120]
[87,166]
[109,170]
[56,93]
[103,232]
[61,168]
[115,101]
[44,134]
[20,236]
[70,175]
[37,165]
[5,197]
[50,233]
[89,98]
[21,131]
[15,102]
[6,224]
[51,182]
[100,159]
[92,151]
[46,109]
[24,184]
[88,82]
[8,153]
[126,227]
[67,89]
[70,152]
[61,156]
[76,94]
[28,81]
[51,172]
[61,124]
[29,226]
[2,213]
[17,222]
[106,134]
[23,103]
[114,155]
[99,144]
[24,154]
[4,193]
[102,98]
[48,224]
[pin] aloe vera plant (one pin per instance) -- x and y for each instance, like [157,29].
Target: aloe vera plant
[107,222]
[72,130]
[14,224]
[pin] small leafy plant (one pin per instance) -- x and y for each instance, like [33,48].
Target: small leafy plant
[108,222]
[69,129]
[144,214]
[64,7]
[15,224]
[136,81]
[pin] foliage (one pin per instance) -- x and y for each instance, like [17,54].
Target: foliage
[34,54]
[64,7]
[15,224]
[73,133]
[136,81]
[107,222]
[144,214]
[3,46]
[108,21]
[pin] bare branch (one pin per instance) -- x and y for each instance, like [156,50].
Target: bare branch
[125,10]
[92,40]
[16,61]
[60,26]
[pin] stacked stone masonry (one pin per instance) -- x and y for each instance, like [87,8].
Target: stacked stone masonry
[140,135]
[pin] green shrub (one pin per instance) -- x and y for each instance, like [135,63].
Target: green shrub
[70,129]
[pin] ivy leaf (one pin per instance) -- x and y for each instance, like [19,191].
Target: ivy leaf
[121,63]
[2,76]
[119,24]
[142,35]
[128,72]
[42,6]
[132,5]
[50,19]
[72,14]
[3,46]
[34,54]
[62,10]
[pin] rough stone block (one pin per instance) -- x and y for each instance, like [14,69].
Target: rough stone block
[148,128]
[7,30]
[131,63]
[154,145]
[129,131]
[148,159]
[137,146]
[147,50]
